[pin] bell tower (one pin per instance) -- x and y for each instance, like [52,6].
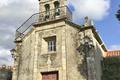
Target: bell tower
[51,4]
[53,9]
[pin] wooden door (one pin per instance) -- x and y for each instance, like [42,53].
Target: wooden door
[50,76]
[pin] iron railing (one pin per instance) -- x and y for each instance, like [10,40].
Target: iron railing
[42,17]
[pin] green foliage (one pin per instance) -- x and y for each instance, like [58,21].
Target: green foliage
[111,68]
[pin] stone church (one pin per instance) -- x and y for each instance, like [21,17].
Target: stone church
[49,46]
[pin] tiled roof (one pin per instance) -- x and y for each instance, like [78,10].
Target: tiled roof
[112,54]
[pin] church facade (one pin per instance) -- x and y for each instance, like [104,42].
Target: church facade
[54,48]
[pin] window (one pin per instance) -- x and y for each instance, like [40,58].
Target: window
[51,43]
[47,8]
[47,11]
[57,8]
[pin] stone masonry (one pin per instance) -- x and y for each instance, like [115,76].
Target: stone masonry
[74,57]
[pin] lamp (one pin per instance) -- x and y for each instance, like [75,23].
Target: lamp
[13,53]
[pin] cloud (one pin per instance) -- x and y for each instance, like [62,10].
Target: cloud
[12,14]
[95,9]
[114,47]
[5,57]
[5,2]
[18,11]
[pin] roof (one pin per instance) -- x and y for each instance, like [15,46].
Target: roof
[110,54]
[96,35]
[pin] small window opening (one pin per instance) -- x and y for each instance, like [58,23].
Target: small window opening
[57,8]
[47,11]
[51,42]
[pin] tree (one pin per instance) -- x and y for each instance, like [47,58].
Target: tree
[111,68]
[118,14]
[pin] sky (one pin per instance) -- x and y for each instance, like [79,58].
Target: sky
[14,12]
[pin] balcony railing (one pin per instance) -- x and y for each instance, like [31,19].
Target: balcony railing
[42,17]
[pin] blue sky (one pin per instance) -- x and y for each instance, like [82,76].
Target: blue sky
[15,12]
[109,27]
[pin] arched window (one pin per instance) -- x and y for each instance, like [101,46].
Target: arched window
[57,8]
[47,11]
[47,7]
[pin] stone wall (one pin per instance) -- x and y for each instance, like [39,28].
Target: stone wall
[26,58]
[68,59]
[73,57]
[54,61]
